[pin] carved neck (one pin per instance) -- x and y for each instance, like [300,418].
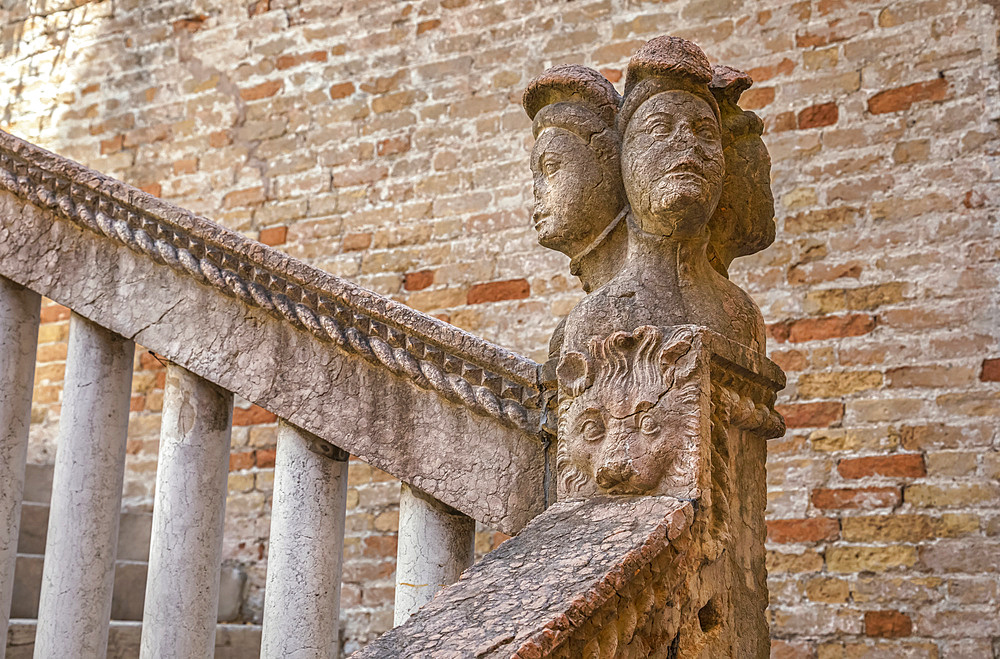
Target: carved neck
[603,258]
[681,261]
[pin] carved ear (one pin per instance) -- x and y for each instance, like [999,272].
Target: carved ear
[674,348]
[574,374]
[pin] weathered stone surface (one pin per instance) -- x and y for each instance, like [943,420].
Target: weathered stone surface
[673,169]
[18,339]
[275,358]
[548,590]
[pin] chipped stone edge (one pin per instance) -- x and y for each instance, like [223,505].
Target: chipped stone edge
[561,627]
[434,355]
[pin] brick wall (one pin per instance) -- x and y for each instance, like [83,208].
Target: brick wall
[383,141]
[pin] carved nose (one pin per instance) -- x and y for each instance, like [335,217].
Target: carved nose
[615,473]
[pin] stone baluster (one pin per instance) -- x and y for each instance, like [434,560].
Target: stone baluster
[436,543]
[75,601]
[19,309]
[185,554]
[305,558]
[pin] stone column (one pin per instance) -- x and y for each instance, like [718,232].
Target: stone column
[436,543]
[185,553]
[305,559]
[19,309]
[75,602]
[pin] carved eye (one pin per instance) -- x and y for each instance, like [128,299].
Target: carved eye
[592,430]
[648,425]
[550,167]
[659,129]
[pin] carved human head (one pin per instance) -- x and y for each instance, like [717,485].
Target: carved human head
[575,161]
[672,158]
[743,222]
[628,421]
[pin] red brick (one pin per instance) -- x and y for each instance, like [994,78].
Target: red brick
[862,497]
[818,116]
[426,26]
[497,291]
[904,465]
[614,75]
[813,529]
[393,145]
[248,197]
[112,145]
[137,403]
[887,624]
[991,370]
[288,61]
[148,361]
[263,90]
[186,166]
[823,327]
[152,188]
[219,138]
[341,90]
[811,415]
[901,98]
[356,241]
[265,458]
[189,24]
[273,235]
[757,98]
[53,313]
[762,73]
[239,461]
[249,416]
[415,281]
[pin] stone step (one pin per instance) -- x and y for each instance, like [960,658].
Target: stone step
[37,483]
[231,641]
[133,532]
[130,589]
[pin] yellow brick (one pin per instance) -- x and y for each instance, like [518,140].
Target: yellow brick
[888,528]
[945,496]
[828,589]
[873,559]
[807,561]
[837,384]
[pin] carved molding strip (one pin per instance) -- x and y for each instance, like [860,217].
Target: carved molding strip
[435,356]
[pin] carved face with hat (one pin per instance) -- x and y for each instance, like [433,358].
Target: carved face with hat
[672,158]
[575,161]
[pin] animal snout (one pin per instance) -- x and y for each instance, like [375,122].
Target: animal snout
[613,475]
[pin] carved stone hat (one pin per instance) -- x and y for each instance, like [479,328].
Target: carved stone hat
[663,64]
[572,83]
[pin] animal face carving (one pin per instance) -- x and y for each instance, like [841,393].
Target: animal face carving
[629,415]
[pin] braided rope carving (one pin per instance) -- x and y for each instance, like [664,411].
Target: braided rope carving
[427,366]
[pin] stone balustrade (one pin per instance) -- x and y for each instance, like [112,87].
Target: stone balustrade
[459,420]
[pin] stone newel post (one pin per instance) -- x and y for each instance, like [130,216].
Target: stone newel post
[664,389]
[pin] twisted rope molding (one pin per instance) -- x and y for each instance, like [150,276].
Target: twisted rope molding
[428,367]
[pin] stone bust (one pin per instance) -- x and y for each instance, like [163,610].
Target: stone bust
[576,176]
[694,192]
[673,169]
[743,222]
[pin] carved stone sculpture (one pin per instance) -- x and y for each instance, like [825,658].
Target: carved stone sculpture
[673,169]
[743,222]
[577,183]
[629,415]
[664,391]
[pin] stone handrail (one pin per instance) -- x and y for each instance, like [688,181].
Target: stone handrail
[472,374]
